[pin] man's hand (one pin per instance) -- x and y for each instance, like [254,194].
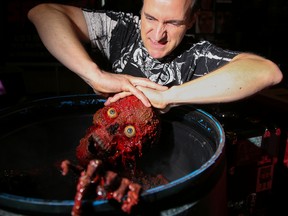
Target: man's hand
[125,85]
[158,99]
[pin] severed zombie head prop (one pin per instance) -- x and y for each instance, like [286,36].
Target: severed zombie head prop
[120,133]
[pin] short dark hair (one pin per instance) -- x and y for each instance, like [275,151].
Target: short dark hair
[195,6]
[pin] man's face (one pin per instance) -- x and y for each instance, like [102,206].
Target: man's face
[164,24]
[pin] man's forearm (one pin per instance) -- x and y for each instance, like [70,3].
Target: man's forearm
[62,35]
[242,77]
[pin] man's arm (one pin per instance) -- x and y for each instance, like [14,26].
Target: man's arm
[245,75]
[63,31]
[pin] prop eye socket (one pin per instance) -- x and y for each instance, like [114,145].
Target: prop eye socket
[112,113]
[129,131]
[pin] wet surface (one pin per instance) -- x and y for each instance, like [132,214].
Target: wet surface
[36,139]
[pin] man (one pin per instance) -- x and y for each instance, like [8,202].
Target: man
[150,57]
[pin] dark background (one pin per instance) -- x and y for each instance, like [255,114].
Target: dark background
[28,70]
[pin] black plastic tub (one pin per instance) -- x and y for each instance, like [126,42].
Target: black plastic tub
[35,137]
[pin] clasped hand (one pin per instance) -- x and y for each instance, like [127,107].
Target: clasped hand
[116,86]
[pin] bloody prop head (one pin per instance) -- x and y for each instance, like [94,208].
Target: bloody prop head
[120,133]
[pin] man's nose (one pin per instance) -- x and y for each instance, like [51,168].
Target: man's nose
[160,32]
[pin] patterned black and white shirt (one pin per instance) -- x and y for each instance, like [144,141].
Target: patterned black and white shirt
[117,36]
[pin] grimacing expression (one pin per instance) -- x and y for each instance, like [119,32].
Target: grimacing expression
[120,132]
[164,24]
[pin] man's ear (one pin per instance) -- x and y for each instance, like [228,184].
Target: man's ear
[193,19]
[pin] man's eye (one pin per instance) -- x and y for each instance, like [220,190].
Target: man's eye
[112,113]
[176,23]
[149,18]
[129,131]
